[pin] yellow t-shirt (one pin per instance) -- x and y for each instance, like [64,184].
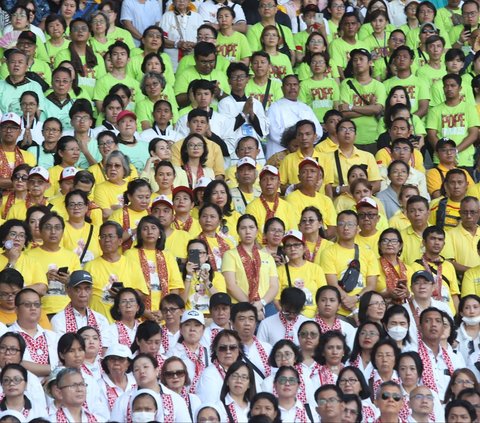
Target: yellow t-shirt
[198,296]
[434,180]
[413,247]
[194,230]
[19,210]
[308,277]
[97,171]
[323,245]
[215,249]
[108,194]
[335,261]
[452,211]
[461,245]
[133,215]
[299,201]
[370,242]
[399,221]
[289,167]
[55,173]
[470,282]
[24,265]
[105,273]
[28,158]
[382,283]
[384,158]
[152,280]
[75,240]
[56,299]
[233,263]
[177,241]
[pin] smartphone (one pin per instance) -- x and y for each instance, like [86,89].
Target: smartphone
[194,257]
[63,270]
[402,283]
[319,17]
[467,28]
[117,286]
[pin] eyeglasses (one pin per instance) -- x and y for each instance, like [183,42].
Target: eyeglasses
[293,245]
[285,355]
[195,146]
[381,356]
[317,62]
[346,129]
[75,205]
[307,334]
[19,177]
[52,130]
[267,6]
[243,378]
[386,241]
[7,295]
[369,216]
[349,381]
[15,235]
[35,304]
[170,374]
[81,118]
[98,21]
[81,28]
[225,348]
[324,401]
[12,380]
[369,334]
[128,302]
[62,81]
[10,128]
[75,386]
[421,397]
[152,85]
[9,350]
[465,382]
[346,224]
[387,395]
[106,143]
[469,14]
[19,15]
[276,231]
[169,310]
[283,380]
[468,212]
[56,228]
[399,149]
[108,236]
[28,104]
[378,304]
[113,166]
[308,221]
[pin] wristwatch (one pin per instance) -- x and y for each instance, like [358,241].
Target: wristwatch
[338,189]
[264,303]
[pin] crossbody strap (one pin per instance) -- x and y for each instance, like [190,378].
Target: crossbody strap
[87,243]
[339,168]
[267,93]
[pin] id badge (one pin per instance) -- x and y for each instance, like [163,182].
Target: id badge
[247,130]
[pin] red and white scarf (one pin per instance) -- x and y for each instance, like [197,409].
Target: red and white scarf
[25,411]
[222,246]
[220,369]
[38,348]
[301,393]
[428,377]
[270,212]
[233,413]
[111,395]
[71,323]
[288,325]
[301,415]
[325,328]
[377,380]
[310,256]
[263,356]
[326,375]
[368,413]
[61,417]
[162,271]
[5,169]
[183,226]
[200,363]
[123,336]
[251,265]
[165,339]
[213,333]
[126,245]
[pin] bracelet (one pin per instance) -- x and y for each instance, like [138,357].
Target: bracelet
[188,278]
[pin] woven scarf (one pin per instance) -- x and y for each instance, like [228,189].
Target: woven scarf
[165,338]
[233,413]
[311,256]
[326,375]
[263,356]
[71,323]
[5,169]
[123,336]
[270,212]
[220,369]
[325,328]
[10,201]
[61,417]
[126,245]
[300,415]
[29,203]
[190,175]
[301,392]
[368,413]
[428,378]
[288,325]
[38,348]
[111,395]
[183,226]
[251,265]
[161,270]
[199,362]
[391,274]
[437,292]
[222,245]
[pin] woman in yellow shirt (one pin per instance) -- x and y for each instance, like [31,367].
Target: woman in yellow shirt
[19,193]
[345,199]
[109,194]
[311,226]
[251,274]
[67,155]
[136,205]
[159,267]
[217,192]
[80,236]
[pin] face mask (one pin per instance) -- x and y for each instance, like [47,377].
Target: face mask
[471,321]
[397,333]
[143,416]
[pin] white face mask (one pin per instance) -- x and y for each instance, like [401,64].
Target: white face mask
[397,333]
[471,321]
[143,416]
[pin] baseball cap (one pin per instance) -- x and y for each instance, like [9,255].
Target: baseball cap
[220,298]
[11,117]
[182,188]
[246,161]
[428,24]
[423,274]
[162,199]
[269,169]
[78,277]
[192,315]
[202,183]
[293,233]
[126,113]
[308,160]
[367,201]
[118,350]
[28,36]
[68,173]
[40,171]
[362,51]
[442,142]
[7,53]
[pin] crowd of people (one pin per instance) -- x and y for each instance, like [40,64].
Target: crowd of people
[250,211]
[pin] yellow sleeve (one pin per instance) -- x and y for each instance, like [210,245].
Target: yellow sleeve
[29,158]
[174,276]
[228,262]
[434,180]
[382,157]
[372,264]
[468,282]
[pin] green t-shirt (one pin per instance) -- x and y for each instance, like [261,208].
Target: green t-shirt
[99,47]
[233,48]
[258,91]
[339,51]
[438,96]
[144,107]
[255,31]
[300,39]
[51,109]
[188,61]
[134,67]
[431,75]
[366,30]
[52,51]
[303,72]
[333,28]
[120,34]
[319,95]
[280,66]
[453,122]
[106,82]
[416,87]
[188,75]
[374,92]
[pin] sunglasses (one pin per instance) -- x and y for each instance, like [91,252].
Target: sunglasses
[225,348]
[387,395]
[170,374]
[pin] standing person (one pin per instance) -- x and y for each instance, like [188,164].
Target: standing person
[138,15]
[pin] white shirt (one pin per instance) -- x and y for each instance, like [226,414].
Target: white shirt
[396,12]
[467,346]
[106,381]
[231,108]
[282,114]
[208,11]
[241,413]
[130,332]
[288,416]
[180,409]
[170,134]
[178,350]
[251,352]
[59,324]
[210,385]
[271,329]
[367,371]
[141,15]
[53,416]
[51,338]
[36,131]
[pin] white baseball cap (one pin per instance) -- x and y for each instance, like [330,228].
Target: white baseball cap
[40,171]
[162,199]
[68,173]
[118,350]
[246,161]
[269,169]
[192,315]
[11,117]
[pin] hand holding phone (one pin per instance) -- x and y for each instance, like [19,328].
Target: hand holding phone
[63,270]
[194,257]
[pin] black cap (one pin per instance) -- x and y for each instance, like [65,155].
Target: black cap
[362,51]
[220,298]
[29,36]
[442,142]
[78,277]
[423,274]
[7,53]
